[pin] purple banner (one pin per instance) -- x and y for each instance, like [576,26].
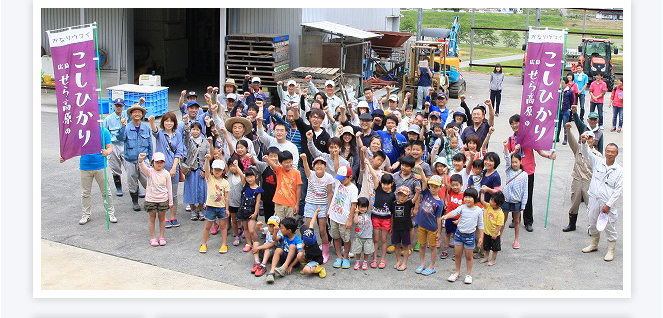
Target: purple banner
[543,67]
[75,76]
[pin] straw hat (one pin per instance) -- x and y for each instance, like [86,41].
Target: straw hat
[247,124]
[136,107]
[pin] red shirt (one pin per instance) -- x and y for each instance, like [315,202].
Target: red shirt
[617,97]
[597,89]
[455,200]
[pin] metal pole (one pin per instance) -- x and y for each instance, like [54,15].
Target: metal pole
[82,16]
[222,44]
[420,20]
[472,38]
[538,17]
[119,55]
[101,120]
[584,19]
[527,18]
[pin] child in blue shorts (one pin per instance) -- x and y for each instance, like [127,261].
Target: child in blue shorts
[471,217]
[291,245]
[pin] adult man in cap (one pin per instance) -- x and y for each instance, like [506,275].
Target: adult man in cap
[193,113]
[289,97]
[392,104]
[440,106]
[581,174]
[191,96]
[137,139]
[479,124]
[113,123]
[365,126]
[333,101]
[254,90]
[593,121]
[605,190]
[378,119]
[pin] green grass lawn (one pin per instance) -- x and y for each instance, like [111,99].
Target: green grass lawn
[486,51]
[507,71]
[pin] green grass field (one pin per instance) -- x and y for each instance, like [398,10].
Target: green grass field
[486,51]
[507,71]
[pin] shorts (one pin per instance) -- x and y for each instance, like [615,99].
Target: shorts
[425,236]
[464,239]
[244,215]
[312,264]
[511,207]
[284,211]
[309,210]
[362,245]
[401,237]
[381,224]
[160,207]
[490,244]
[449,226]
[233,209]
[338,231]
[213,213]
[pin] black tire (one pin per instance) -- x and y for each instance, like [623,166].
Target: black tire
[456,89]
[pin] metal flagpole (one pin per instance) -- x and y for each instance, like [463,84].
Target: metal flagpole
[559,118]
[101,120]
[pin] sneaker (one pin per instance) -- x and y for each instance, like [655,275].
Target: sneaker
[260,270]
[84,219]
[203,249]
[168,224]
[613,129]
[194,216]
[345,264]
[215,229]
[255,267]
[515,245]
[187,208]
[619,130]
[391,249]
[270,278]
[280,271]
[201,216]
[453,277]
[112,218]
[174,223]
[357,265]
[223,249]
[468,279]
[236,241]
[416,247]
[351,255]
[337,263]
[512,225]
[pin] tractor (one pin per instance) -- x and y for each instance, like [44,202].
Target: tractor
[457,85]
[596,58]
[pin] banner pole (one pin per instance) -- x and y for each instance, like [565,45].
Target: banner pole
[559,118]
[101,121]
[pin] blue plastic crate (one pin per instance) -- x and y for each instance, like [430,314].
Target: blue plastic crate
[156,103]
[104,106]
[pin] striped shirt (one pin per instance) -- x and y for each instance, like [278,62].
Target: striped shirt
[516,190]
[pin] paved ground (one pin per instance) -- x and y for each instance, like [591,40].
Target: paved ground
[548,258]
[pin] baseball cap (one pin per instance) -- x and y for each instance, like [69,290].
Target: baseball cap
[159,156]
[593,115]
[192,94]
[343,172]
[308,235]
[347,130]
[436,180]
[255,79]
[330,82]
[393,97]
[436,114]
[260,97]
[366,117]
[414,128]
[118,101]
[292,82]
[588,134]
[362,104]
[192,104]
[441,160]
[442,95]
[378,112]
[274,220]
[219,164]
[318,159]
[404,190]
[231,96]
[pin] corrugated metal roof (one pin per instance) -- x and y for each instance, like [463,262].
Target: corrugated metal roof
[341,30]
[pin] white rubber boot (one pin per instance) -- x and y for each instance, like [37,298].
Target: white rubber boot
[611,251]
[594,246]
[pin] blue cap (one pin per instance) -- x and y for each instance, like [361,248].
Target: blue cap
[260,97]
[192,104]
[118,101]
[378,112]
[442,95]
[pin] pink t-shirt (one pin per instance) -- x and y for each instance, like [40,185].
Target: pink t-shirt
[617,97]
[159,186]
[597,89]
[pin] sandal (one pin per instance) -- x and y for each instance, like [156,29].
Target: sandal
[246,248]
[162,241]
[515,245]
[236,241]
[419,270]
[357,265]
[428,271]
[382,265]
[444,254]
[453,277]
[364,265]
[154,242]
[374,264]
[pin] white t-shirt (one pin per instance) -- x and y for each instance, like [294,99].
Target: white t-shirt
[268,235]
[316,193]
[339,209]
[464,175]
[270,141]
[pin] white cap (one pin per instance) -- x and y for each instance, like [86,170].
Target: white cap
[231,96]
[362,104]
[393,97]
[218,164]
[159,156]
[255,79]
[292,82]
[330,82]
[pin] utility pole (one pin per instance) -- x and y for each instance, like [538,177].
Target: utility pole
[528,18]
[472,38]
[538,17]
[584,19]
[420,20]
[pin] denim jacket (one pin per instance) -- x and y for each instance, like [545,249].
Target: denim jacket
[135,143]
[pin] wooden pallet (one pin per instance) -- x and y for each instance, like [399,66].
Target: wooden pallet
[317,72]
[274,38]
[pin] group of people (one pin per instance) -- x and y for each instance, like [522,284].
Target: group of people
[377,176]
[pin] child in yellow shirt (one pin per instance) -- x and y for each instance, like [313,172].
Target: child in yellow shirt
[493,219]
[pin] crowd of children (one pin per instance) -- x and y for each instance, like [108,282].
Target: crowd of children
[414,180]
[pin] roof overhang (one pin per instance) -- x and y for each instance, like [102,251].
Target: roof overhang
[340,30]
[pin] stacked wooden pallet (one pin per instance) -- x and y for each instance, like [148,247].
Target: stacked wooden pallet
[320,76]
[263,55]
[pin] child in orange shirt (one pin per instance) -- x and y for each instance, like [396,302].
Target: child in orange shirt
[288,186]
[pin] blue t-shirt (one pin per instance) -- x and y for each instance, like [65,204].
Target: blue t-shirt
[252,193]
[96,161]
[424,79]
[581,80]
[492,181]
[429,210]
[387,145]
[297,241]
